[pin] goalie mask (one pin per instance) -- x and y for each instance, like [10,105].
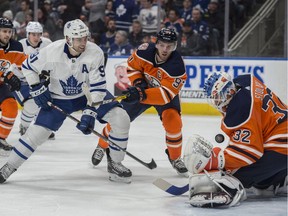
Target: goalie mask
[75,29]
[219,89]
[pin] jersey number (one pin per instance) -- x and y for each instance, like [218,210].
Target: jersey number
[242,136]
[269,102]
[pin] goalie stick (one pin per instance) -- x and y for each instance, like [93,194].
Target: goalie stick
[150,165]
[169,188]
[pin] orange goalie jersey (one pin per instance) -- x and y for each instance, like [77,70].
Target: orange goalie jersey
[165,80]
[256,121]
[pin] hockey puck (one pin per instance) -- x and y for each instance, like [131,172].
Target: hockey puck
[219,138]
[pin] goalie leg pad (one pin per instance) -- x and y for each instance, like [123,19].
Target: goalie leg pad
[215,189]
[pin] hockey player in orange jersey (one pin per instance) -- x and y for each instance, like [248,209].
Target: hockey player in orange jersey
[255,120]
[157,73]
[11,52]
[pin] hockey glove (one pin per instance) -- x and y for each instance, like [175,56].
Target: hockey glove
[135,94]
[13,81]
[41,95]
[140,83]
[87,120]
[45,77]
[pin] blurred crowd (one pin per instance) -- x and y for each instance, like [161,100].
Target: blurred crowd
[120,26]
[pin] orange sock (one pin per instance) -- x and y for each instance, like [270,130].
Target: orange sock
[9,113]
[105,132]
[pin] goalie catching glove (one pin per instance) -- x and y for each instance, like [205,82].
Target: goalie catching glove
[215,189]
[199,154]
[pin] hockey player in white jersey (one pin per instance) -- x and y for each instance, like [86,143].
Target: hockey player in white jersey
[32,44]
[71,62]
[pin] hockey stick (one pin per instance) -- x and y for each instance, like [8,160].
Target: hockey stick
[169,188]
[150,165]
[86,91]
[118,98]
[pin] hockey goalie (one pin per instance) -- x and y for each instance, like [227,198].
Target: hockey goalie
[255,120]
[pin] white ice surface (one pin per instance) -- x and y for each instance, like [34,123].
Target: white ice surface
[59,179]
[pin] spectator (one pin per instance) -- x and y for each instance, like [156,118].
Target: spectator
[47,23]
[121,45]
[136,35]
[20,16]
[46,34]
[96,15]
[189,42]
[173,21]
[50,10]
[107,38]
[125,13]
[201,28]
[148,17]
[70,10]
[215,21]
[186,11]
[109,13]
[201,4]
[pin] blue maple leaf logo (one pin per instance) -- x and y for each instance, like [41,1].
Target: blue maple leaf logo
[71,87]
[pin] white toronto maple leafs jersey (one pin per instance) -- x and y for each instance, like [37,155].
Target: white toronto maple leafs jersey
[68,73]
[28,49]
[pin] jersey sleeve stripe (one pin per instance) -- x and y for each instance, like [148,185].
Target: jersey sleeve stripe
[98,84]
[260,154]
[129,74]
[98,90]
[266,145]
[170,92]
[164,95]
[237,149]
[240,157]
[277,136]
[27,66]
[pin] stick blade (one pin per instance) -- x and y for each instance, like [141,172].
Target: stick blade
[152,164]
[169,188]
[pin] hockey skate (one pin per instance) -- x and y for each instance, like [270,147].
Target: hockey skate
[98,155]
[178,165]
[117,171]
[5,172]
[5,148]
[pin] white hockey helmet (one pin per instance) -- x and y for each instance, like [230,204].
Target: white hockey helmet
[34,27]
[76,29]
[219,89]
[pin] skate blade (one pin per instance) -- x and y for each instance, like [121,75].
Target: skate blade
[116,178]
